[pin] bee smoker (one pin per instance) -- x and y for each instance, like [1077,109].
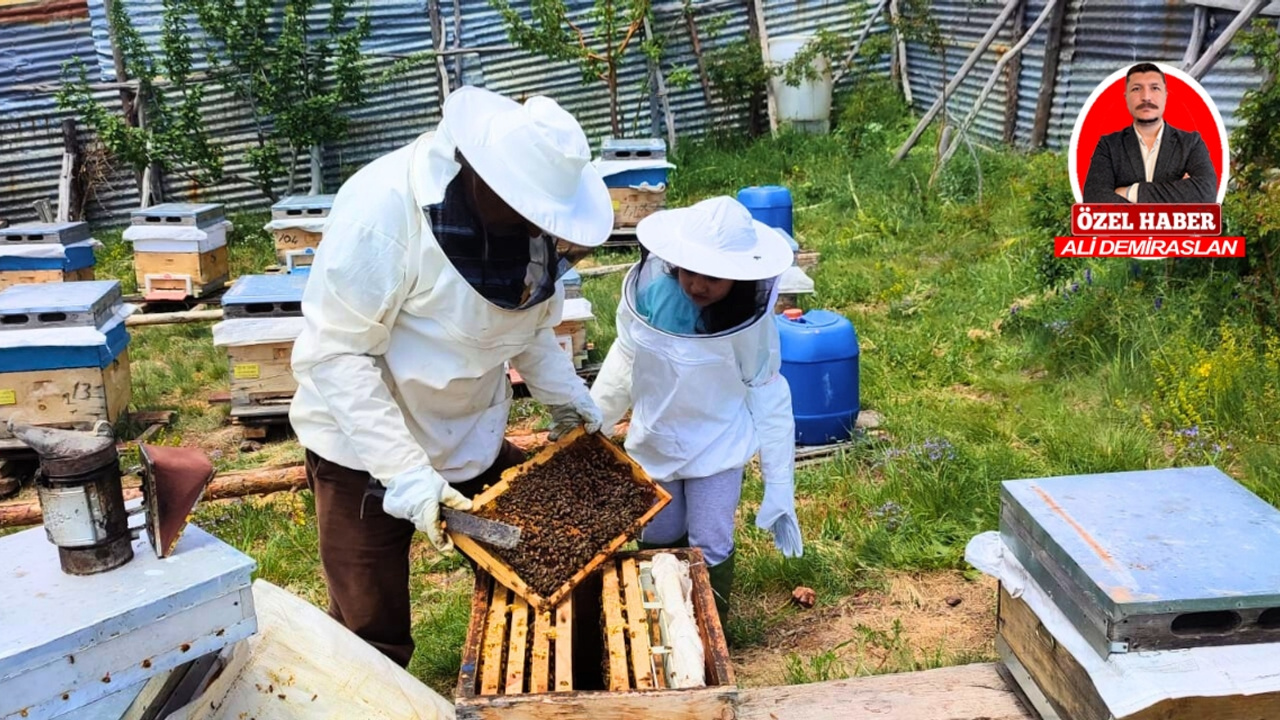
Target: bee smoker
[81,493]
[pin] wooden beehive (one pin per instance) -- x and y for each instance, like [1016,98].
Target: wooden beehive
[597,654]
[69,258]
[180,250]
[293,223]
[1053,681]
[260,308]
[180,275]
[48,375]
[499,569]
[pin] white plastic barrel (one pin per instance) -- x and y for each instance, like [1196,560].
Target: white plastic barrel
[807,107]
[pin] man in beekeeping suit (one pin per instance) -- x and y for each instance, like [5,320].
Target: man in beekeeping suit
[439,266]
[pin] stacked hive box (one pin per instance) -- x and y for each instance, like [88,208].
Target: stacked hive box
[262,317]
[179,250]
[297,222]
[635,171]
[1149,595]
[571,333]
[63,357]
[45,252]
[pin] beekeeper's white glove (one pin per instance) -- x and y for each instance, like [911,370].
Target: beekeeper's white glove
[416,496]
[778,516]
[581,410]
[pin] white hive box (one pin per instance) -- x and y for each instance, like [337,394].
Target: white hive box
[72,641]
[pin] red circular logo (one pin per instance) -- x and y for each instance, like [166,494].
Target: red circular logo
[1188,108]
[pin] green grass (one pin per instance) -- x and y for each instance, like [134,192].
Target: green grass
[980,373]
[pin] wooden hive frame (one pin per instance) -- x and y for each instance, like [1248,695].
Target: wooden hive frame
[503,573]
[619,607]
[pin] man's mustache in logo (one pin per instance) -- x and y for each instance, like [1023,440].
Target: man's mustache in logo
[1147,105]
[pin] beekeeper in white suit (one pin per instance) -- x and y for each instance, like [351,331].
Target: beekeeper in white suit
[697,360]
[439,266]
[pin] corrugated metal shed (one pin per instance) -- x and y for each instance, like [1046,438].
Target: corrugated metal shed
[36,37]
[1098,37]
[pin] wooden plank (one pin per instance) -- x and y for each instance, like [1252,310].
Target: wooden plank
[495,642]
[1005,58]
[1210,56]
[203,268]
[978,50]
[693,704]
[1048,76]
[70,397]
[261,372]
[966,692]
[637,625]
[762,34]
[614,630]
[517,646]
[471,657]
[719,669]
[540,662]
[564,646]
[174,318]
[655,640]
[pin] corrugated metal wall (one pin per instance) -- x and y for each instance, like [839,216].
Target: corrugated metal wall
[1098,37]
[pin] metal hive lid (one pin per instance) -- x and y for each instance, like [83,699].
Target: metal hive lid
[1153,541]
[64,233]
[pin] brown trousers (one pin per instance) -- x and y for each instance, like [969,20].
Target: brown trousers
[365,552]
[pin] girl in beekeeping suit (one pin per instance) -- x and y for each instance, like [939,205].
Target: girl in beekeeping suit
[697,359]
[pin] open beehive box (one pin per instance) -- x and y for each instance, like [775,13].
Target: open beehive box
[601,652]
[577,502]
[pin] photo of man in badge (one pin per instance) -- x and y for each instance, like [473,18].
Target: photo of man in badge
[1150,161]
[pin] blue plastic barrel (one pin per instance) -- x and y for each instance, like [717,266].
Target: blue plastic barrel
[820,362]
[770,204]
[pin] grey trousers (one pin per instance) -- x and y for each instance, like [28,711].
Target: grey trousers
[705,509]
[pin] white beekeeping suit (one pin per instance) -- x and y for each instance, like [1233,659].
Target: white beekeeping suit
[401,365]
[705,403]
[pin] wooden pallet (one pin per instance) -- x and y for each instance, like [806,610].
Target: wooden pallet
[597,654]
[257,421]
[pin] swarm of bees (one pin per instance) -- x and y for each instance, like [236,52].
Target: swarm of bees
[568,509]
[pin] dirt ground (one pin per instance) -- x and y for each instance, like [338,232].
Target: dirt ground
[860,631]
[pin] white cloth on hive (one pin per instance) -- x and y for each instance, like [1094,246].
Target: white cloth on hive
[312,224]
[315,667]
[686,659]
[45,250]
[235,332]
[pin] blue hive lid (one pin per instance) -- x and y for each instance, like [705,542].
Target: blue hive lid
[57,297]
[571,278]
[249,289]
